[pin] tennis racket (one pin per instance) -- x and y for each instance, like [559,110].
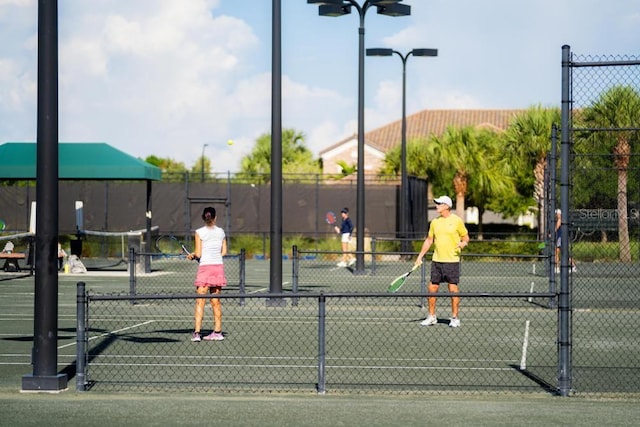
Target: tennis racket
[330,217]
[399,281]
[170,246]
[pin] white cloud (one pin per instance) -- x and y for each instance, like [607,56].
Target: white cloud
[162,83]
[19,3]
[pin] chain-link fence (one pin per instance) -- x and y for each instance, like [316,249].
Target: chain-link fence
[603,219]
[540,318]
[356,343]
[329,330]
[375,338]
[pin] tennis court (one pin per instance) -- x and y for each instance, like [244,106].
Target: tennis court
[374,347]
[373,340]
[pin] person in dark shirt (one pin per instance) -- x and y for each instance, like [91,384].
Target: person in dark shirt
[345,230]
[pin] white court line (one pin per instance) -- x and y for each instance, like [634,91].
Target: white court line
[525,344]
[531,291]
[109,333]
[258,290]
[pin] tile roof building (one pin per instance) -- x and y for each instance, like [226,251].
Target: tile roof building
[422,124]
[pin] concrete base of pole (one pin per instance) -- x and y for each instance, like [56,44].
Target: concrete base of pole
[44,383]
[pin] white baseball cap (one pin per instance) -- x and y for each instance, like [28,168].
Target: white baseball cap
[444,200]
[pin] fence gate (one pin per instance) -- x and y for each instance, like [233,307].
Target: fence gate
[600,195]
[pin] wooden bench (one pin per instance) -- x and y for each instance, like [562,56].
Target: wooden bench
[11,260]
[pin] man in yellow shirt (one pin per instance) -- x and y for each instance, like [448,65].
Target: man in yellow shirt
[449,235]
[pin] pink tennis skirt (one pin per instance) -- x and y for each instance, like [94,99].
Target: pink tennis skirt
[211,275]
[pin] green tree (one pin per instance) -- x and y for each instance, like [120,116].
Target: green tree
[467,162]
[346,169]
[617,108]
[296,157]
[528,143]
[172,171]
[490,179]
[470,162]
[391,162]
[417,164]
[455,154]
[201,168]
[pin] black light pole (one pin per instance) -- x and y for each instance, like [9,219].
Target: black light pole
[44,353]
[275,227]
[404,180]
[339,8]
[202,164]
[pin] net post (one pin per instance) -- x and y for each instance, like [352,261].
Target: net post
[81,336]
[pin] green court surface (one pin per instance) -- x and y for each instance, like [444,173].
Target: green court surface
[191,409]
[223,406]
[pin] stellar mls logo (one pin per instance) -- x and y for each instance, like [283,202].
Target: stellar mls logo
[603,215]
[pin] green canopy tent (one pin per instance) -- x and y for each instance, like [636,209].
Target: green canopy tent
[80,161]
[77,161]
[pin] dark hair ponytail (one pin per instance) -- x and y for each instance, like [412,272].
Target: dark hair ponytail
[209,215]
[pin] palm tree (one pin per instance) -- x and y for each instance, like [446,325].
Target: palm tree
[473,162]
[490,181]
[296,157]
[417,159]
[346,169]
[529,138]
[456,152]
[616,109]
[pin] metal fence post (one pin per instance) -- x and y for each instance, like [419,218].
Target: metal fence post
[564,303]
[243,266]
[423,283]
[551,235]
[373,255]
[322,301]
[132,272]
[295,264]
[81,337]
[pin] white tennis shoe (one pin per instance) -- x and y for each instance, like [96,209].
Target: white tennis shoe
[431,320]
[454,322]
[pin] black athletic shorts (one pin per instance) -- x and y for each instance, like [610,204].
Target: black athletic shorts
[445,272]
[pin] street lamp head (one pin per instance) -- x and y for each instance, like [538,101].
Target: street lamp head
[394,9]
[383,2]
[425,52]
[379,52]
[321,2]
[333,9]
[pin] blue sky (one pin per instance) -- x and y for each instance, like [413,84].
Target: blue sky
[165,77]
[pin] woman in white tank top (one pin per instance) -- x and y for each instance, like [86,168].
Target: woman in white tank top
[211,246]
